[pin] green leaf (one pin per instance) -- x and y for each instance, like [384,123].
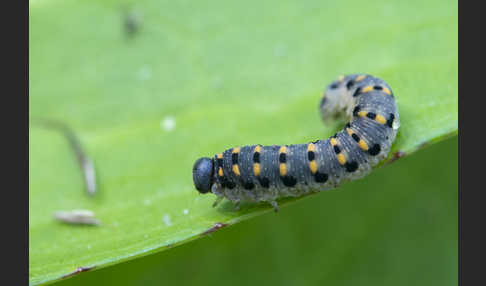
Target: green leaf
[385,230]
[227,74]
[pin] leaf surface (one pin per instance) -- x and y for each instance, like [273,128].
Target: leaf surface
[195,79]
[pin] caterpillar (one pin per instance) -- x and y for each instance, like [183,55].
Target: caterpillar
[265,173]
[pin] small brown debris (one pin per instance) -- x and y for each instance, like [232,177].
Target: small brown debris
[77,271]
[216,226]
[397,155]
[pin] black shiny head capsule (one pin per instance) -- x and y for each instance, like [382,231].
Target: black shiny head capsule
[202,174]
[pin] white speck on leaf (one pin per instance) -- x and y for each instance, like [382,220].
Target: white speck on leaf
[145,73]
[166,219]
[168,123]
[280,50]
[186,211]
[147,202]
[217,82]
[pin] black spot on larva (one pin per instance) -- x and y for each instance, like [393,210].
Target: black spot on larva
[223,184]
[357,92]
[229,184]
[219,162]
[234,158]
[371,115]
[311,155]
[389,122]
[356,110]
[321,177]
[317,141]
[264,182]
[334,85]
[355,137]
[350,84]
[288,181]
[375,150]
[256,157]
[282,158]
[351,166]
[348,125]
[377,87]
[337,150]
[248,185]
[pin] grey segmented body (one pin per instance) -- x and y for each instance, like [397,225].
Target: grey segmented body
[266,173]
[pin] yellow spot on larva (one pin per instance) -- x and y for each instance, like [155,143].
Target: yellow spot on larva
[258,149]
[256,169]
[220,156]
[313,166]
[340,78]
[220,171]
[360,78]
[236,170]
[283,169]
[236,150]
[362,113]
[350,132]
[380,119]
[386,90]
[283,149]
[363,145]
[341,158]
[311,148]
[333,141]
[367,89]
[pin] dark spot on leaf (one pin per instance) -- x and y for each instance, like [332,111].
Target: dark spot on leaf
[397,155]
[216,226]
[77,271]
[423,145]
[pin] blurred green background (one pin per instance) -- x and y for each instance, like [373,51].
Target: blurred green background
[149,86]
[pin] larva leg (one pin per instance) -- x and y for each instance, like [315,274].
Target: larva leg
[237,205]
[217,201]
[274,205]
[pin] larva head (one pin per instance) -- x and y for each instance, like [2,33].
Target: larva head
[332,105]
[202,174]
